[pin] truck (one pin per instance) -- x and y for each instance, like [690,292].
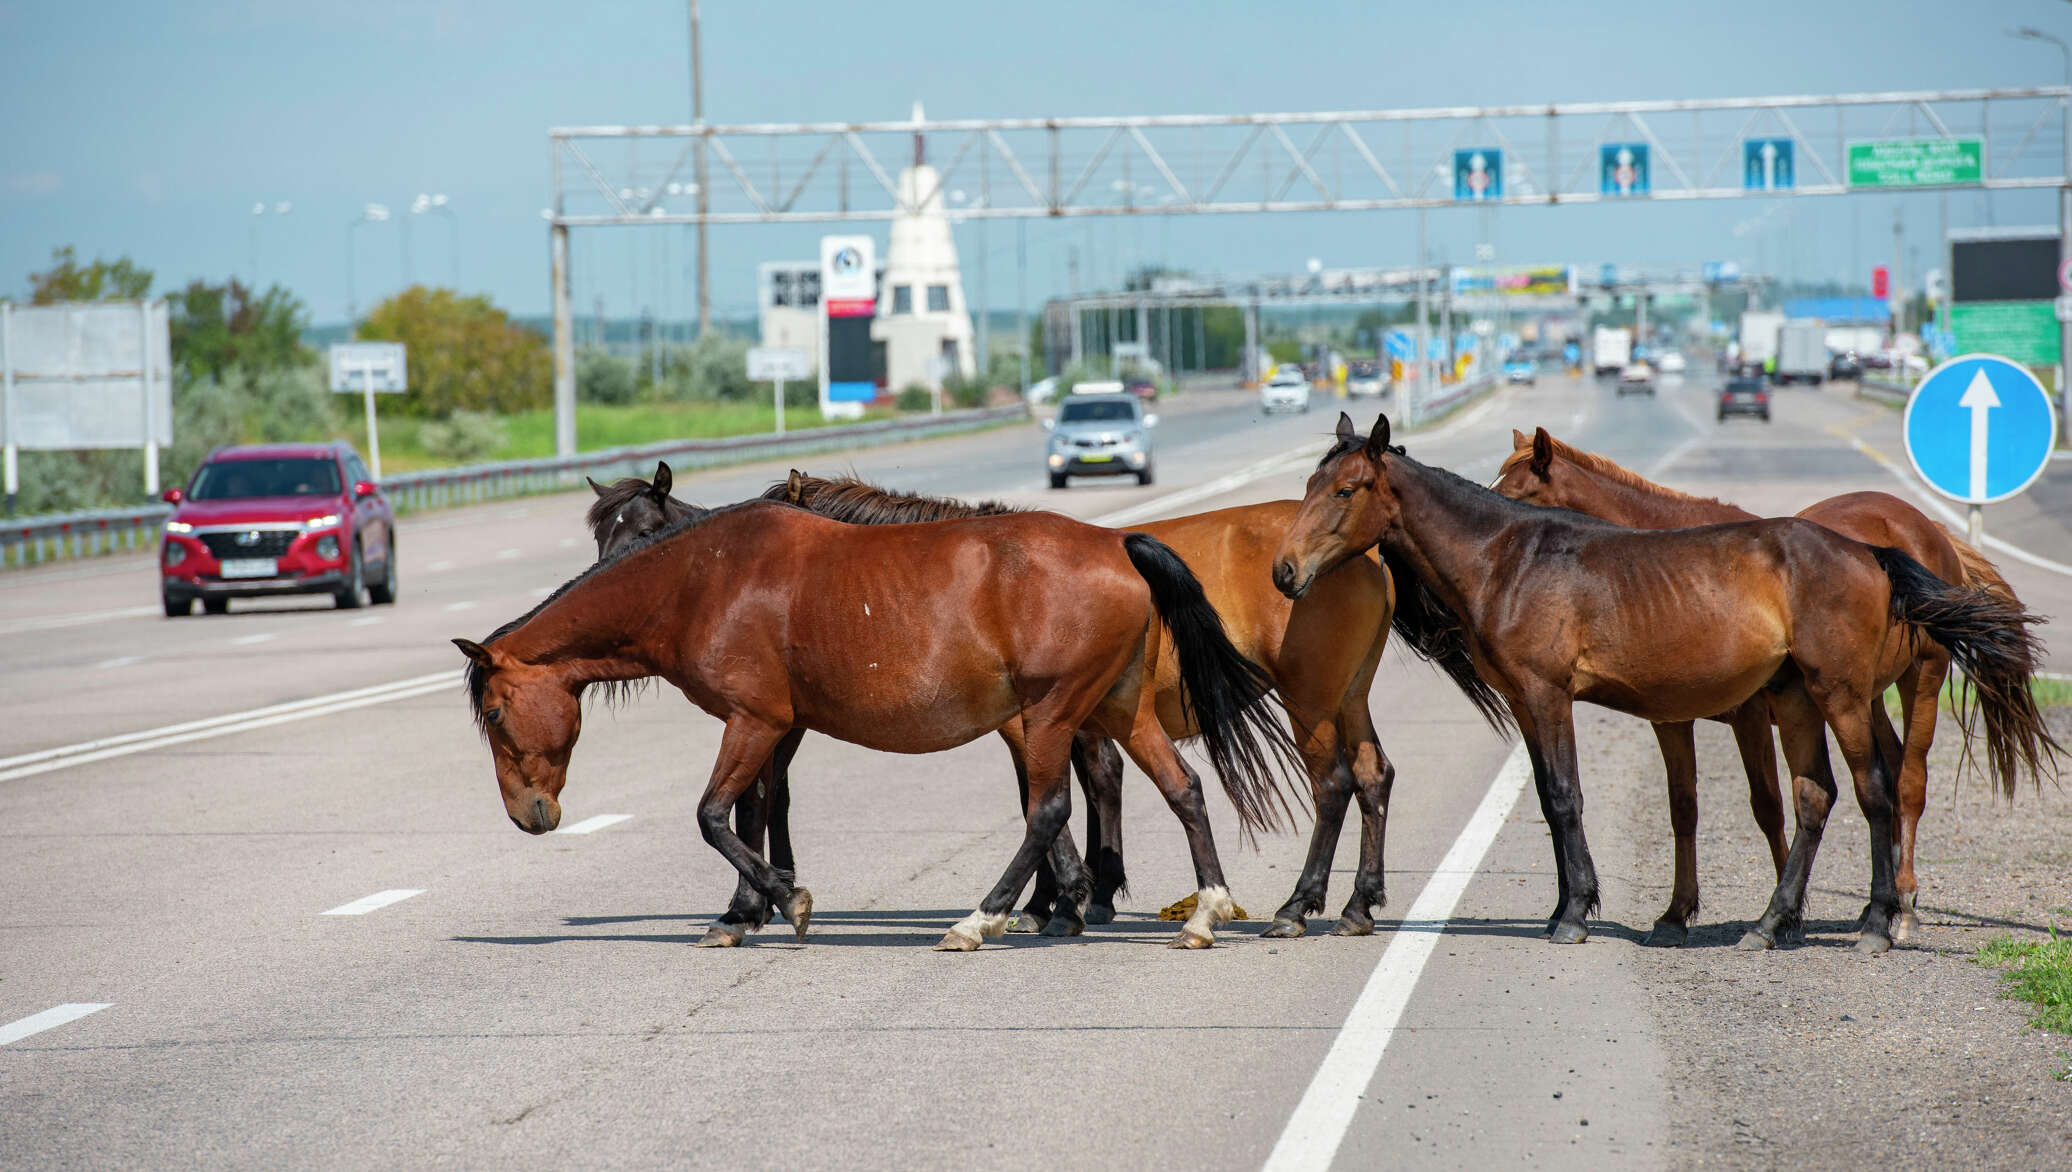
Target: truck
[1759,329]
[1801,352]
[1611,349]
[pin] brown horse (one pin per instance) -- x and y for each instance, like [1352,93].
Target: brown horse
[1544,471]
[762,615]
[1671,626]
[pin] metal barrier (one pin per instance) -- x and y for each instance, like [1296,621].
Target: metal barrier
[35,540]
[1430,411]
[1879,391]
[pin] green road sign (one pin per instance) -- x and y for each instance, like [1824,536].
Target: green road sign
[2023,331]
[1916,162]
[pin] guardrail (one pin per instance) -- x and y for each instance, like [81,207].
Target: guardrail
[1430,411]
[35,540]
[1879,390]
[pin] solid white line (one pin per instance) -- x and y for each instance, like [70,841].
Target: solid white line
[375,902]
[248,640]
[570,542]
[44,760]
[1318,1126]
[543,591]
[120,661]
[442,567]
[1670,457]
[1161,506]
[57,622]
[594,823]
[506,555]
[366,621]
[1956,520]
[36,1023]
[464,605]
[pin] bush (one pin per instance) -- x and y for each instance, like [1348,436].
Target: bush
[914,397]
[959,391]
[465,353]
[603,377]
[465,437]
[713,367]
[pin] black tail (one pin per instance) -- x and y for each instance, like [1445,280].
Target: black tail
[1432,630]
[1225,691]
[1988,637]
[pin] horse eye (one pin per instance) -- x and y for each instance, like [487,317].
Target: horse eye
[1346,491]
[494,716]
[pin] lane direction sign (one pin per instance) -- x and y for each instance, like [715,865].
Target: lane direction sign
[1980,429]
[1478,174]
[1766,164]
[1622,168]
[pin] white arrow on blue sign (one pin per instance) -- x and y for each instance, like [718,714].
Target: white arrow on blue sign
[1980,429]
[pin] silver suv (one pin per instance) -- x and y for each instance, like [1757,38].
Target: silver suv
[1100,435]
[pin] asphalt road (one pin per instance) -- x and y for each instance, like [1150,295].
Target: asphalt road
[539,1000]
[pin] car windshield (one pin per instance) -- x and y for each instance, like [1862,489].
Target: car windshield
[1744,384]
[1090,411]
[227,480]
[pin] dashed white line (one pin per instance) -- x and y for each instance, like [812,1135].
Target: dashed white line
[1311,1138]
[509,555]
[594,823]
[119,661]
[36,1023]
[375,902]
[542,591]
[59,621]
[248,640]
[438,567]
[365,621]
[568,543]
[465,604]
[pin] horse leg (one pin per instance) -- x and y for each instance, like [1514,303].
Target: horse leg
[1098,763]
[1046,753]
[1919,697]
[1528,735]
[768,801]
[1331,790]
[1751,725]
[780,805]
[1153,752]
[743,749]
[1374,777]
[1554,728]
[1680,767]
[1813,789]
[1871,769]
[1036,913]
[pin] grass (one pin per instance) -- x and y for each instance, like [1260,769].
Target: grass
[2038,971]
[530,434]
[2048,693]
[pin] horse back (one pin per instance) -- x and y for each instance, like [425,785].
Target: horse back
[1879,518]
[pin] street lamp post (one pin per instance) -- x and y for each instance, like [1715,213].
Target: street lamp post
[2064,376]
[373,213]
[437,203]
[259,210]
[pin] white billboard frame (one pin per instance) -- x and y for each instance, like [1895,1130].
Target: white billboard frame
[81,375]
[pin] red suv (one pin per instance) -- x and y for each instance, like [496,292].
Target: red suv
[278,519]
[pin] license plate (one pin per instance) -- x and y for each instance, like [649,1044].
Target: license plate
[250,567]
[1095,459]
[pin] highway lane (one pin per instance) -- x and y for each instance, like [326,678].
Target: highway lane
[539,999]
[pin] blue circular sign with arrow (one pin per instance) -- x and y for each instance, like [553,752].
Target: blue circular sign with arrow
[1980,429]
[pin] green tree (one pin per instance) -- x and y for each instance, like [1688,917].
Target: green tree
[215,327]
[464,353]
[68,280]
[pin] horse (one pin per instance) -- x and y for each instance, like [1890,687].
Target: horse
[1671,626]
[1542,470]
[762,615]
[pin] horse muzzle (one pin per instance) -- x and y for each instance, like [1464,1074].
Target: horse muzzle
[537,816]
[1288,582]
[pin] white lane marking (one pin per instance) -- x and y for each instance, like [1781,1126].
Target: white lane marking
[59,621]
[1957,522]
[120,661]
[248,640]
[45,760]
[36,1023]
[507,555]
[438,567]
[570,542]
[1670,457]
[594,823]
[365,621]
[543,591]
[1160,506]
[375,902]
[1319,1123]
[463,605]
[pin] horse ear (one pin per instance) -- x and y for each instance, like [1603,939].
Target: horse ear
[662,480]
[595,487]
[1518,440]
[1378,439]
[1347,433]
[795,488]
[1542,452]
[475,651]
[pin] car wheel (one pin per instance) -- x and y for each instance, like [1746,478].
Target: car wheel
[1722,417]
[384,592]
[216,605]
[1057,480]
[1766,417]
[1144,476]
[353,595]
[176,608]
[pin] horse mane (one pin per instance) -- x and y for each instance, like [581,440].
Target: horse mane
[859,502]
[622,492]
[477,676]
[1613,471]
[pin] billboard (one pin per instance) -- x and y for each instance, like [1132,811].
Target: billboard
[85,375]
[2004,265]
[1516,280]
[848,303]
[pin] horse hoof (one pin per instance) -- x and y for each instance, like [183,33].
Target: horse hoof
[1566,933]
[799,910]
[1754,941]
[1178,910]
[1872,944]
[1353,926]
[1100,913]
[1906,926]
[955,941]
[1667,934]
[724,936]
[1062,926]
[1190,939]
[1284,929]
[1027,922]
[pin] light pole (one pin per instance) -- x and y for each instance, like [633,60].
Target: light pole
[260,209]
[373,213]
[2064,218]
[437,203]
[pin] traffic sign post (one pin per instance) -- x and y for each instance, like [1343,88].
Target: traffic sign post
[774,364]
[370,368]
[1980,429]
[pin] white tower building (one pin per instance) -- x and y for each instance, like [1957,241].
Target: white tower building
[922,318]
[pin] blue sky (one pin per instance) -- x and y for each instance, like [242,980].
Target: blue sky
[151,128]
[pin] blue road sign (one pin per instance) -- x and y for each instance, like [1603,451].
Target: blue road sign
[1719,272]
[1766,164]
[1622,168]
[1478,174]
[1980,429]
[1399,345]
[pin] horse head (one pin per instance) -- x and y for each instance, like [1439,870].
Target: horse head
[1346,508]
[1531,473]
[531,719]
[629,509]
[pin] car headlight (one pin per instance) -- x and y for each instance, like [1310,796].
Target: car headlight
[327,546]
[175,553]
[178,527]
[1057,460]
[323,522]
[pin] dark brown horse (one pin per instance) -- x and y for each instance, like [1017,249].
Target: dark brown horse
[762,615]
[1671,626]
[1544,471]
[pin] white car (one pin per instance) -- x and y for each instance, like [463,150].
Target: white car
[1287,390]
[1671,362]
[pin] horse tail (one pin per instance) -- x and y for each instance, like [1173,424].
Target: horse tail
[1979,572]
[1433,631]
[1225,692]
[1989,638]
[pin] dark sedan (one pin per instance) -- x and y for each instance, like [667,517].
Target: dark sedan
[1745,396]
